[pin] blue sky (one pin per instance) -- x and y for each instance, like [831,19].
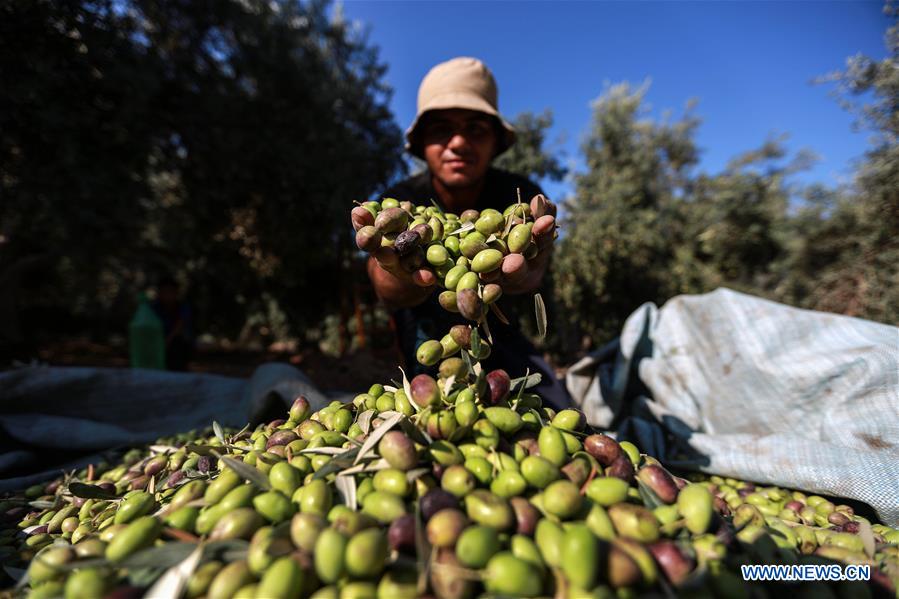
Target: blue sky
[750,64]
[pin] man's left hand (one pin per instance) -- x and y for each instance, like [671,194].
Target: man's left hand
[525,276]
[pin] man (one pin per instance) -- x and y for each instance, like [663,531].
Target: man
[458,131]
[177,324]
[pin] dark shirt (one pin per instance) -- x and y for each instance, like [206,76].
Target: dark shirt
[179,346]
[500,190]
[511,351]
[172,317]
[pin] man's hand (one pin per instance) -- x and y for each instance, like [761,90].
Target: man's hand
[399,285]
[521,275]
[393,285]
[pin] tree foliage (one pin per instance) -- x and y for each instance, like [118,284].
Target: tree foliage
[645,226]
[222,141]
[852,248]
[619,225]
[530,156]
[225,141]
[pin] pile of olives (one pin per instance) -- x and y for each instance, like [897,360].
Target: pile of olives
[452,486]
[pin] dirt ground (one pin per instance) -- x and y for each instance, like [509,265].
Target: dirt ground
[354,371]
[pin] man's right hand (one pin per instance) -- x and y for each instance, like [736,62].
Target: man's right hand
[393,284]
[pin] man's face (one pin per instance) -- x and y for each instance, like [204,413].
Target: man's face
[459,145]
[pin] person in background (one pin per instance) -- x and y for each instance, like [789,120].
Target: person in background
[177,324]
[458,132]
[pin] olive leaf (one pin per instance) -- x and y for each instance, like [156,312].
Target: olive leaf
[469,226]
[448,385]
[247,472]
[540,310]
[174,581]
[528,381]
[416,434]
[217,429]
[437,206]
[346,486]
[511,218]
[407,389]
[480,381]
[478,368]
[494,307]
[370,466]
[85,491]
[867,535]
[28,530]
[487,330]
[229,550]
[237,435]
[164,556]
[539,418]
[193,474]
[348,439]
[475,342]
[364,420]
[354,469]
[649,497]
[232,550]
[142,577]
[413,475]
[527,373]
[338,463]
[421,419]
[323,450]
[508,226]
[467,360]
[163,449]
[379,432]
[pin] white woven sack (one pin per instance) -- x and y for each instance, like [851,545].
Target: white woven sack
[756,390]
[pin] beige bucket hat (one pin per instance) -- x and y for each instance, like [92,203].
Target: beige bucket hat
[459,83]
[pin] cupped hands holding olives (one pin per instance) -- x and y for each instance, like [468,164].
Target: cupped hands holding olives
[475,257]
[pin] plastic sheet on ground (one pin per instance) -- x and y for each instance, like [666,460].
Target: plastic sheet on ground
[739,386]
[56,419]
